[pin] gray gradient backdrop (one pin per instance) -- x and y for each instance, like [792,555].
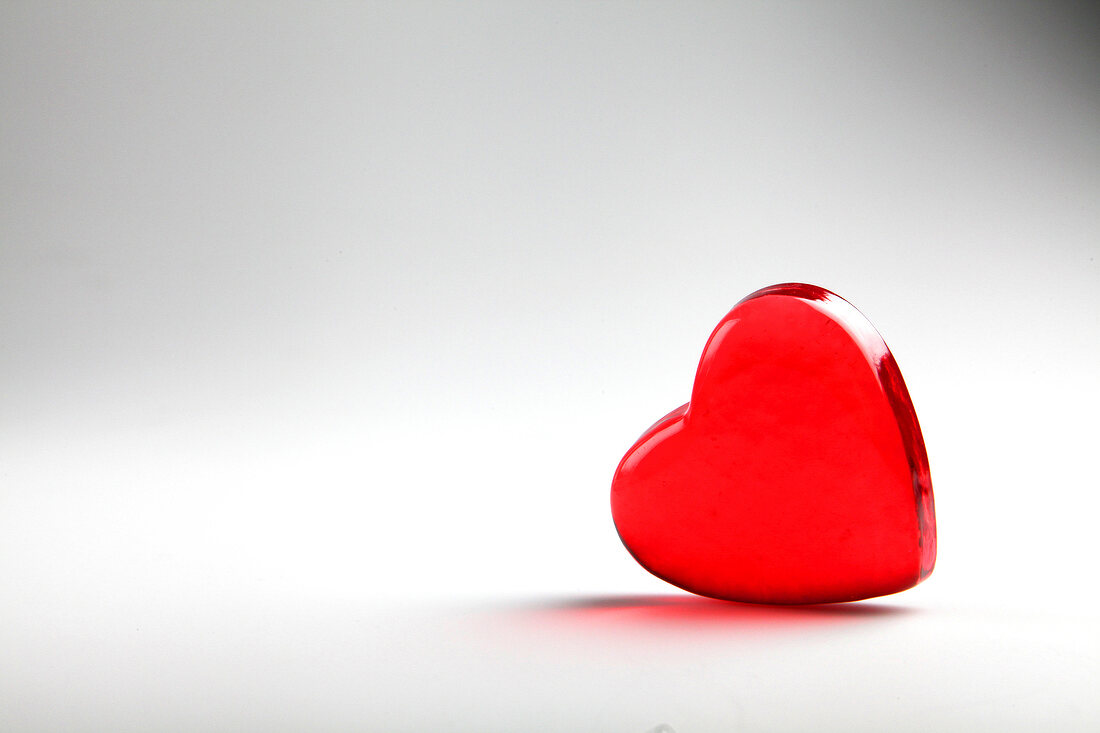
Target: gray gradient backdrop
[323,327]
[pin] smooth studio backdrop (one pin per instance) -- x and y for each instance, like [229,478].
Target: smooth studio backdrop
[324,325]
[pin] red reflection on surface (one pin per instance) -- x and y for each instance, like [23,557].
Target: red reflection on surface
[797,472]
[594,624]
[684,612]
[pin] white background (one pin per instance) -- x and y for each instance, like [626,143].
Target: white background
[323,328]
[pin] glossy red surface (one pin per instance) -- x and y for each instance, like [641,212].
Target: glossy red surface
[797,473]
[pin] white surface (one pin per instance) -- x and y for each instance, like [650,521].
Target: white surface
[576,664]
[324,327]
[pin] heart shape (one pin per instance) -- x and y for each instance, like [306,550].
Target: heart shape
[797,473]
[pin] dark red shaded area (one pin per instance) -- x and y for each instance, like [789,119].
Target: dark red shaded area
[797,473]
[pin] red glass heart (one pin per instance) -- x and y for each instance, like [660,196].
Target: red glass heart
[796,474]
